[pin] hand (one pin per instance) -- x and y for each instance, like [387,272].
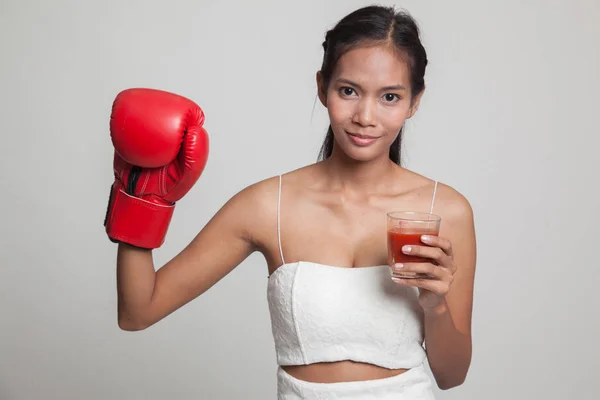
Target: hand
[440,271]
[161,149]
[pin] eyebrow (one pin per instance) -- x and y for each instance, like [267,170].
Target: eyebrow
[393,87]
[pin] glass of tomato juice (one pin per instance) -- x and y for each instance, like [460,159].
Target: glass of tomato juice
[406,228]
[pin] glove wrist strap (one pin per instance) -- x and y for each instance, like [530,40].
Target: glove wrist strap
[136,221]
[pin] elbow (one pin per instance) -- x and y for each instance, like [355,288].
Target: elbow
[129,327]
[453,373]
[450,382]
[129,324]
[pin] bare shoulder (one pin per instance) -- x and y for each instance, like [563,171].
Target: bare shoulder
[454,208]
[262,196]
[258,196]
[256,207]
[452,205]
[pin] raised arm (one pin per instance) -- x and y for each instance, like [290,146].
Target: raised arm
[161,149]
[146,296]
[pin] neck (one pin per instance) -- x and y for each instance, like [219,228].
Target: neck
[353,176]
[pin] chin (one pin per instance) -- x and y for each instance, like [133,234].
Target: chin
[362,154]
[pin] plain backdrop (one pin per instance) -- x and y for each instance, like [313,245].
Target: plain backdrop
[509,119]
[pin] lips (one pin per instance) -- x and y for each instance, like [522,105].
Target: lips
[361,136]
[362,140]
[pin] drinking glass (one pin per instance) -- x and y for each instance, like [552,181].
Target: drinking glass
[405,228]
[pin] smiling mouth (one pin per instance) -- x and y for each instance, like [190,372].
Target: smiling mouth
[358,135]
[362,140]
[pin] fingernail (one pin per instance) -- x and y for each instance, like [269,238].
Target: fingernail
[425,238]
[399,266]
[406,249]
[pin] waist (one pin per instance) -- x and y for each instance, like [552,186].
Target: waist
[340,371]
[414,383]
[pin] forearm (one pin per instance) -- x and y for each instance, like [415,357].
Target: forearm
[135,284]
[448,349]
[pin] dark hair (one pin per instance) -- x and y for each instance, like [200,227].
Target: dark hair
[370,25]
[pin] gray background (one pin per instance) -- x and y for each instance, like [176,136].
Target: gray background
[508,119]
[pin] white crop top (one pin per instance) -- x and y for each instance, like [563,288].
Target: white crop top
[325,313]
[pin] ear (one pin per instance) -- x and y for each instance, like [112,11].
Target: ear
[415,104]
[321,90]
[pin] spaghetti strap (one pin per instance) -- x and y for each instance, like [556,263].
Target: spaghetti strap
[433,197]
[279,222]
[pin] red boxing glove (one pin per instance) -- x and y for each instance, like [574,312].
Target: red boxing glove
[161,150]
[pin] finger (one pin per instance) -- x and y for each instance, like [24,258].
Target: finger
[432,253]
[432,271]
[443,243]
[438,287]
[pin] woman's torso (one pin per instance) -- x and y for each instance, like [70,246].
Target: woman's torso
[317,223]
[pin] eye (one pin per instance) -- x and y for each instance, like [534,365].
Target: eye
[391,97]
[346,91]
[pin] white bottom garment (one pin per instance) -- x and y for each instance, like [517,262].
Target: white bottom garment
[414,384]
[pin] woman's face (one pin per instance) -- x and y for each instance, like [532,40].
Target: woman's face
[368,100]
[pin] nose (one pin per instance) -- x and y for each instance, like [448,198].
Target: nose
[364,113]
